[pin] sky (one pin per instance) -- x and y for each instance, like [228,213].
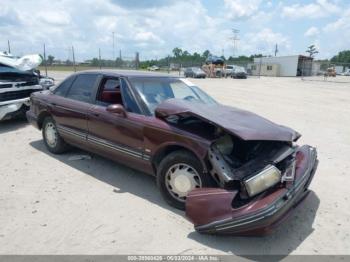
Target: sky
[154,27]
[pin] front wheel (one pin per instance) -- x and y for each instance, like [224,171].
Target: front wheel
[52,139]
[178,174]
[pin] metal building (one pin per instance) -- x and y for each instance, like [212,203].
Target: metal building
[294,65]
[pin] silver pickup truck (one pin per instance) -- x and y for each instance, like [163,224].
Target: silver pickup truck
[18,79]
[15,89]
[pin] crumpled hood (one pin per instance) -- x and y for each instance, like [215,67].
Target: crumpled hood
[24,63]
[241,123]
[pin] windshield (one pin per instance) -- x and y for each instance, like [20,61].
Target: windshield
[153,91]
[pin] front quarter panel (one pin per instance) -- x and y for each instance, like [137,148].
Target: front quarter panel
[158,135]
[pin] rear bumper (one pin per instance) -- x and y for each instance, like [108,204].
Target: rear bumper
[260,216]
[10,108]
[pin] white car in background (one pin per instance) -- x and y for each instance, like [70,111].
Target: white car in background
[153,68]
[346,72]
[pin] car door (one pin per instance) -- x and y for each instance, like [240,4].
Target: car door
[70,107]
[118,136]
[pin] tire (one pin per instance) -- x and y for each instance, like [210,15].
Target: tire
[181,159]
[59,146]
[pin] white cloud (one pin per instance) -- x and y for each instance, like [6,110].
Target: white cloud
[241,9]
[147,37]
[339,30]
[312,32]
[54,17]
[342,23]
[153,28]
[264,42]
[317,9]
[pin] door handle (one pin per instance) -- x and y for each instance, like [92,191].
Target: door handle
[95,114]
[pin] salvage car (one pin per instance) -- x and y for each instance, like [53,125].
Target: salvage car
[15,89]
[194,72]
[228,167]
[215,60]
[18,80]
[239,72]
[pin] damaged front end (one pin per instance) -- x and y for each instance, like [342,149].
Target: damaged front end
[18,80]
[257,194]
[261,173]
[251,166]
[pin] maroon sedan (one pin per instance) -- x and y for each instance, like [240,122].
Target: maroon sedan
[234,171]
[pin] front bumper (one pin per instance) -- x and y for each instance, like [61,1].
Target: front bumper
[211,209]
[200,75]
[240,75]
[9,108]
[32,119]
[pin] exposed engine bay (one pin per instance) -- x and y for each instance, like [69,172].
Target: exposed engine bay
[249,166]
[234,162]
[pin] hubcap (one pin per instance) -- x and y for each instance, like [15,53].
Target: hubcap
[51,134]
[181,179]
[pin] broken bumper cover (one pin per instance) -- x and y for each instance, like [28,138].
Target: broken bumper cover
[211,211]
[7,108]
[32,119]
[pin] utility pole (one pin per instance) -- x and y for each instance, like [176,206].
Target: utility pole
[113,47]
[45,64]
[75,69]
[9,46]
[235,39]
[276,50]
[137,60]
[99,57]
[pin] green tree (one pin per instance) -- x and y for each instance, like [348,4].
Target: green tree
[312,50]
[50,59]
[177,52]
[206,53]
[342,57]
[95,62]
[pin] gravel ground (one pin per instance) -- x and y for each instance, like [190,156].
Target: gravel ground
[52,205]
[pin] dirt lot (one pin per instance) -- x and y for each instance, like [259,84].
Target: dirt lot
[52,205]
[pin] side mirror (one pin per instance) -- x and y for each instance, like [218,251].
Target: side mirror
[117,109]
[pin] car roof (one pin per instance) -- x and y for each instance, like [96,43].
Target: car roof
[126,73]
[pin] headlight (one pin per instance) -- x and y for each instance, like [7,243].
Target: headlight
[265,179]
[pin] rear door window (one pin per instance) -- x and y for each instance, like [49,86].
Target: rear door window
[82,87]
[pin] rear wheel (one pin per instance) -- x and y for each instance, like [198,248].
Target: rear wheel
[178,174]
[52,139]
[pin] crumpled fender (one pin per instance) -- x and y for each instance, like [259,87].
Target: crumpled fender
[211,211]
[204,205]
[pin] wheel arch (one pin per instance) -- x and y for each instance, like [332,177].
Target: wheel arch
[165,150]
[41,118]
